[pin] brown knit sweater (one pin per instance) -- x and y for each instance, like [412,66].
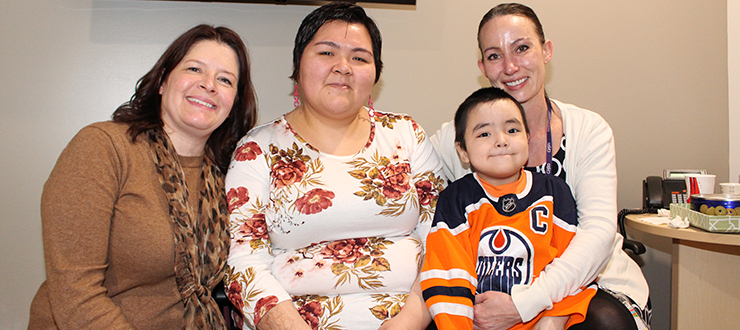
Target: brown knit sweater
[108,240]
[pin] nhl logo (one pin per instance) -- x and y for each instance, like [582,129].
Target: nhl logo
[508,203]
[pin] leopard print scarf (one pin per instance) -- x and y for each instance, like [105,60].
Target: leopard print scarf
[201,239]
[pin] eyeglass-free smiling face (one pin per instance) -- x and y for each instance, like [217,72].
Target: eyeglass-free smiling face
[199,93]
[513,57]
[496,142]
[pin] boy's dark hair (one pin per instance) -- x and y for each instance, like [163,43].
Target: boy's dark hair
[335,11]
[483,95]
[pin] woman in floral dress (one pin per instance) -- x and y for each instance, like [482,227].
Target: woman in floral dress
[331,203]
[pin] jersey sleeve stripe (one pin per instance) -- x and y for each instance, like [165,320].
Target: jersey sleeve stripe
[564,225]
[455,273]
[432,282]
[454,231]
[452,309]
[457,291]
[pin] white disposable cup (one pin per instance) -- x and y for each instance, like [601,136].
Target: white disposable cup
[700,184]
[730,188]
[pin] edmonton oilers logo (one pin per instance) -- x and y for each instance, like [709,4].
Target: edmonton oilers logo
[504,259]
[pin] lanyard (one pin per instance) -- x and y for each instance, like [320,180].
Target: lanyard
[548,164]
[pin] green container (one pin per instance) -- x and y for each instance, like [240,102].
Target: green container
[711,223]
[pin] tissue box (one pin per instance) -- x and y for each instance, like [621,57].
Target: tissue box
[711,223]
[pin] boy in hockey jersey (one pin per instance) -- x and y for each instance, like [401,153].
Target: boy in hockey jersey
[498,227]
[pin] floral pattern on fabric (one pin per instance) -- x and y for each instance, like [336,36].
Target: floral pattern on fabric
[420,254]
[248,151]
[320,312]
[247,227]
[314,201]
[388,305]
[292,173]
[388,119]
[355,260]
[237,197]
[388,182]
[342,237]
[242,293]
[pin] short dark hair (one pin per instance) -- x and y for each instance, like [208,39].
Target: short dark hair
[483,95]
[335,11]
[516,9]
[143,111]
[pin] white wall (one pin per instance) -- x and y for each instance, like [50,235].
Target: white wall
[656,70]
[733,85]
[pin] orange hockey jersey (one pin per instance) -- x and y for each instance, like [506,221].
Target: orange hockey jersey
[488,237]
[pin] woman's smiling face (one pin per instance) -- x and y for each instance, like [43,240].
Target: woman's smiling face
[199,92]
[513,57]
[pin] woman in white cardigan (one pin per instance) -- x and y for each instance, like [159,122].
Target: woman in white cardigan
[581,150]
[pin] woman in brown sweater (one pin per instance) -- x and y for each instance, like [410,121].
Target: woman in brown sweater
[134,213]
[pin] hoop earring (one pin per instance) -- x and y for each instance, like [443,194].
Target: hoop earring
[370,102]
[296,99]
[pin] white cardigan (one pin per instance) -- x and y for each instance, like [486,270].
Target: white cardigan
[596,250]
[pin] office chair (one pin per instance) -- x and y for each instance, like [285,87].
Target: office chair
[631,245]
[219,295]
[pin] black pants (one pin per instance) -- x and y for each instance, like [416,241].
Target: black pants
[606,312]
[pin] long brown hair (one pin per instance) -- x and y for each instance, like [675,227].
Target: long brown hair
[143,111]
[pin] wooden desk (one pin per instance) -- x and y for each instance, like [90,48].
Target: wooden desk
[705,275]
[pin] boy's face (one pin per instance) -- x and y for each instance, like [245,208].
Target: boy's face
[496,141]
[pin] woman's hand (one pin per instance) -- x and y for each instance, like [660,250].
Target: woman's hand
[494,311]
[551,323]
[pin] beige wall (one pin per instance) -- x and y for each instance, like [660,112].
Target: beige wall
[656,70]
[733,85]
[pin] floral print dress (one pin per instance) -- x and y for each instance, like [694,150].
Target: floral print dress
[340,236]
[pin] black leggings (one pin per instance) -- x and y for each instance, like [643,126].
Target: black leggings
[608,313]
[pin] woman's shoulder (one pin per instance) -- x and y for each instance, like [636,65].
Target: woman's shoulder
[103,146]
[270,130]
[574,113]
[582,122]
[398,124]
[109,127]
[115,133]
[390,119]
